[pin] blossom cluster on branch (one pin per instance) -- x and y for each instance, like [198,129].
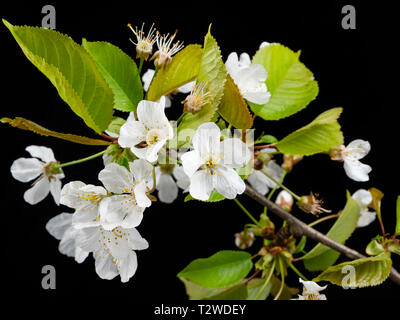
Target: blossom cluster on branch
[209,152]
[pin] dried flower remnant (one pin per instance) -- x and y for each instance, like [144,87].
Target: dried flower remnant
[311,204]
[163,56]
[144,44]
[197,98]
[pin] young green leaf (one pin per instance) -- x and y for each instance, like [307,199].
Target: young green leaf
[233,108]
[318,136]
[183,68]
[212,72]
[267,139]
[377,196]
[291,84]
[220,270]
[321,256]
[368,272]
[71,70]
[120,72]
[116,124]
[25,124]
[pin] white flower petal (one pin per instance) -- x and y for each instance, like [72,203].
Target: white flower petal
[26,169]
[151,114]
[119,210]
[57,225]
[234,152]
[186,88]
[366,217]
[38,192]
[116,178]
[362,197]
[229,184]
[182,180]
[136,241]
[206,140]
[127,266]
[152,151]
[147,78]
[191,162]
[43,153]
[88,239]
[357,149]
[201,185]
[312,286]
[232,64]
[259,182]
[141,170]
[356,170]
[258,96]
[244,60]
[140,194]
[55,189]
[105,267]
[275,171]
[167,188]
[132,132]
[284,197]
[80,255]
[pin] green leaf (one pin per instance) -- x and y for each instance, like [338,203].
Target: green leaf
[291,84]
[287,292]
[300,245]
[214,197]
[120,72]
[212,72]
[267,139]
[116,124]
[374,248]
[321,256]
[318,136]
[397,230]
[183,68]
[233,108]
[220,270]
[71,70]
[24,124]
[377,196]
[237,291]
[369,271]
[254,286]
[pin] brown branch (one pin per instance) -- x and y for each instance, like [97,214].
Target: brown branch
[300,228]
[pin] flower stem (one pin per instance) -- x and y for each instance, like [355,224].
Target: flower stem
[281,185]
[282,280]
[178,121]
[296,271]
[66,164]
[332,216]
[140,65]
[245,211]
[266,281]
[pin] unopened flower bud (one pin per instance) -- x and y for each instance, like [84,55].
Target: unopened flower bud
[258,164]
[244,239]
[284,200]
[290,161]
[310,204]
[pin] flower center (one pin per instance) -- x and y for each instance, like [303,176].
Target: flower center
[153,136]
[211,164]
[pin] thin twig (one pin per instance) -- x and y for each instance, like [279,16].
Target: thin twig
[300,228]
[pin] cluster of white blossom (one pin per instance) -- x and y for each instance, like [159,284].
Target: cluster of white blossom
[105,217]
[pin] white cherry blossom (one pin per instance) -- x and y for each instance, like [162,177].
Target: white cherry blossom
[167,186]
[250,78]
[113,250]
[151,131]
[350,155]
[126,207]
[211,164]
[260,182]
[61,228]
[364,198]
[285,200]
[40,167]
[86,200]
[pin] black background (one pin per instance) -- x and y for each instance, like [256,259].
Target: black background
[354,69]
